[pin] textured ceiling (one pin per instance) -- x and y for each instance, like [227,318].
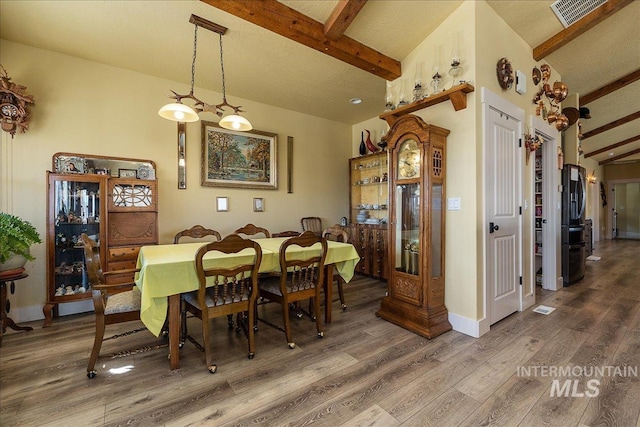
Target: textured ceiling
[156,38]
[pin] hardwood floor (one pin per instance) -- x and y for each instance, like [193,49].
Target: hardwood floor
[365,371]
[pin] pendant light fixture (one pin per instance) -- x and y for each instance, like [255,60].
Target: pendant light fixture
[177,111]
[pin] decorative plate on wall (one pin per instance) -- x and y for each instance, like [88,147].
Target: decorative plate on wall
[504,73]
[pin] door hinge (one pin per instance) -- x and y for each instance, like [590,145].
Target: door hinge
[520,280]
[520,143]
[520,208]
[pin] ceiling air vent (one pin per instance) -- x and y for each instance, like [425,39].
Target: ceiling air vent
[570,11]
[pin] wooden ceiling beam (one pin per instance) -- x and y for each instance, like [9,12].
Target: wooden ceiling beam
[621,156]
[611,87]
[342,16]
[275,16]
[612,146]
[589,21]
[613,124]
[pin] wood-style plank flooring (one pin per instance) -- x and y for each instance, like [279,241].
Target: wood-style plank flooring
[365,371]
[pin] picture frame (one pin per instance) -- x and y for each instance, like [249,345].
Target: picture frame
[258,204]
[127,173]
[222,204]
[235,159]
[70,164]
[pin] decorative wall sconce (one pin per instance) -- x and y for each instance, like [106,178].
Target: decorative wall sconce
[182,156]
[531,144]
[179,112]
[591,178]
[14,102]
[554,94]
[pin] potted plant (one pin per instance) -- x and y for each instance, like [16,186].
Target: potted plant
[16,237]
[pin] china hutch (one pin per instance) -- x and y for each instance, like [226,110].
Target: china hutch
[114,201]
[369,212]
[416,277]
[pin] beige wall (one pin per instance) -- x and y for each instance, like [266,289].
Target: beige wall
[485,39]
[91,108]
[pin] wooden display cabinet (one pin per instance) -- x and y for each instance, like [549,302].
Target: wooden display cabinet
[416,279]
[369,212]
[119,213]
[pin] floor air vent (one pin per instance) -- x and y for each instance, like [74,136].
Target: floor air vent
[570,11]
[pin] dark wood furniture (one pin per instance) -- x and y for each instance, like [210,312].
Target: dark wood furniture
[290,233]
[112,303]
[371,242]
[303,281]
[311,223]
[6,321]
[416,281]
[335,232]
[232,291]
[120,214]
[196,232]
[252,230]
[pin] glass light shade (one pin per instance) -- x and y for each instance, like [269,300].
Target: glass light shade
[235,122]
[178,112]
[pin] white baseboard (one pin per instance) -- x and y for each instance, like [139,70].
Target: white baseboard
[34,312]
[474,328]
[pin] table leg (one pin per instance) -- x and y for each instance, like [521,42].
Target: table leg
[6,321]
[328,292]
[174,331]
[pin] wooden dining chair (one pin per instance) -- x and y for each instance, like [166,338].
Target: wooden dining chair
[196,232]
[286,234]
[302,281]
[252,230]
[112,303]
[193,234]
[225,291]
[338,234]
[312,223]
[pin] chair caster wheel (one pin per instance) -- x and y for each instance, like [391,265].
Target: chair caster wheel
[251,356]
[212,368]
[92,374]
[292,345]
[299,315]
[344,307]
[320,334]
[255,329]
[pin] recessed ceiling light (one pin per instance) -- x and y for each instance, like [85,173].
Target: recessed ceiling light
[355,101]
[611,154]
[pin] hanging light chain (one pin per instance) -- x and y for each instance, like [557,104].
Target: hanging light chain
[224,91]
[193,61]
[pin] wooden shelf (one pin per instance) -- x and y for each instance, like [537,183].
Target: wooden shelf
[457,95]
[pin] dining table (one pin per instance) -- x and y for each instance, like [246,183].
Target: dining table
[169,270]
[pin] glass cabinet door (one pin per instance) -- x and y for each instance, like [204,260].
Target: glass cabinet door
[407,232]
[76,206]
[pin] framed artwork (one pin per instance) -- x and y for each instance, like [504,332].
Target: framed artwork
[127,173]
[238,159]
[222,204]
[258,204]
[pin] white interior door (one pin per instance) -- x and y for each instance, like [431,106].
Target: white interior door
[503,188]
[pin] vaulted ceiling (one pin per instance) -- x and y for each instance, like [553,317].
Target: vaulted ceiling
[355,46]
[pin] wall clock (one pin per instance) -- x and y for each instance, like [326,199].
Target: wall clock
[14,114]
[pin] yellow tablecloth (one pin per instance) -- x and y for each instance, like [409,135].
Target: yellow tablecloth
[170,269]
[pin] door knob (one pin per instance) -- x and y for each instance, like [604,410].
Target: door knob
[493,227]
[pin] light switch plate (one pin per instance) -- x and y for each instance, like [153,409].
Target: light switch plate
[521,82]
[453,203]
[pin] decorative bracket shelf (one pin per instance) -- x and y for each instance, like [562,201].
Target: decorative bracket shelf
[457,95]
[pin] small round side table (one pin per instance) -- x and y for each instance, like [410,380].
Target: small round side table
[4,319]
